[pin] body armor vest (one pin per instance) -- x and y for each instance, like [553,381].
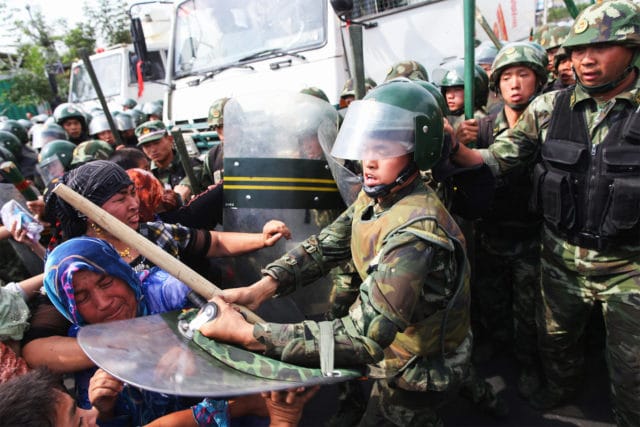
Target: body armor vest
[513,190]
[590,194]
[422,215]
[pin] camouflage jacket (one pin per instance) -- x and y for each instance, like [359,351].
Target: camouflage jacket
[408,252]
[520,147]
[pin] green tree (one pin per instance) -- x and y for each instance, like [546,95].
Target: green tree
[29,83]
[37,73]
[82,36]
[111,19]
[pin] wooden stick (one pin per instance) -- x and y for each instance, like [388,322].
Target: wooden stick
[147,248]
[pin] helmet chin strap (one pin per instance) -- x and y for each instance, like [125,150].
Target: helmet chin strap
[606,87]
[384,189]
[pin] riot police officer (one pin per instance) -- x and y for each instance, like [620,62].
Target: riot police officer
[410,323]
[507,244]
[586,187]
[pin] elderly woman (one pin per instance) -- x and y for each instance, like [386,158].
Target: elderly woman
[108,185]
[88,282]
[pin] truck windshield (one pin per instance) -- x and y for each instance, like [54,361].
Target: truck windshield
[210,34]
[108,70]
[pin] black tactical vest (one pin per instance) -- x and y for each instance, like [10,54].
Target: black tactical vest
[590,194]
[513,190]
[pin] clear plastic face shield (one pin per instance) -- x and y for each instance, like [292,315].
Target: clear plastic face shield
[50,168]
[371,130]
[375,130]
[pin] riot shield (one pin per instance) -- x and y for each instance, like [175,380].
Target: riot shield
[149,352]
[274,168]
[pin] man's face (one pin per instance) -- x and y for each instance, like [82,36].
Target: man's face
[106,136]
[160,150]
[455,97]
[383,171]
[565,72]
[69,415]
[73,127]
[601,63]
[551,53]
[517,84]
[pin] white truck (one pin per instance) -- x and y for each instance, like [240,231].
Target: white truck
[116,67]
[229,47]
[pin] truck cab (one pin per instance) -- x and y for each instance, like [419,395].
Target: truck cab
[117,70]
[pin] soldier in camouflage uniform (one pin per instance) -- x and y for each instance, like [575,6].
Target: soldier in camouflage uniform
[507,248]
[213,168]
[452,87]
[551,38]
[157,144]
[409,318]
[588,192]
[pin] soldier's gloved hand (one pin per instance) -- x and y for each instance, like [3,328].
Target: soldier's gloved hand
[467,131]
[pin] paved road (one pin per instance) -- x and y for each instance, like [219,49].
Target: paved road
[591,408]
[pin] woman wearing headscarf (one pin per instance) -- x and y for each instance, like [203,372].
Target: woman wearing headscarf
[108,186]
[89,282]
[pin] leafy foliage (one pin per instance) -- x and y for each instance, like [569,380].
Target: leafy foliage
[110,17]
[44,50]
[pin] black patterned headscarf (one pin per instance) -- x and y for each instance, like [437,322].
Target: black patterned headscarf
[98,181]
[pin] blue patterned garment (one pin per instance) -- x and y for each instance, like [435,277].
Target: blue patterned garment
[156,291]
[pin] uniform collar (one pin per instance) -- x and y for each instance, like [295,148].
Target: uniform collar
[632,95]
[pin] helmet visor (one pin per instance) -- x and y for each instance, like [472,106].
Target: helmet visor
[375,130]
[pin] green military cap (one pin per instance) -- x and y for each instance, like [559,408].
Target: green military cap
[216,112]
[150,131]
[410,69]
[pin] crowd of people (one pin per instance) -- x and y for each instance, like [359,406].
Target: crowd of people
[524,221]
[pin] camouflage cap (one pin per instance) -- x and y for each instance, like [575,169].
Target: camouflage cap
[150,131]
[315,91]
[216,112]
[349,90]
[616,21]
[410,69]
[527,54]
[94,149]
[553,36]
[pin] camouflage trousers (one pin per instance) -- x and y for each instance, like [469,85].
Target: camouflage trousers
[570,291]
[391,406]
[506,289]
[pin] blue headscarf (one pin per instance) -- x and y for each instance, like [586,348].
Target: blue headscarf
[85,253]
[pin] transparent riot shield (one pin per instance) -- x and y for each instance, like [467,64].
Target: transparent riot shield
[274,168]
